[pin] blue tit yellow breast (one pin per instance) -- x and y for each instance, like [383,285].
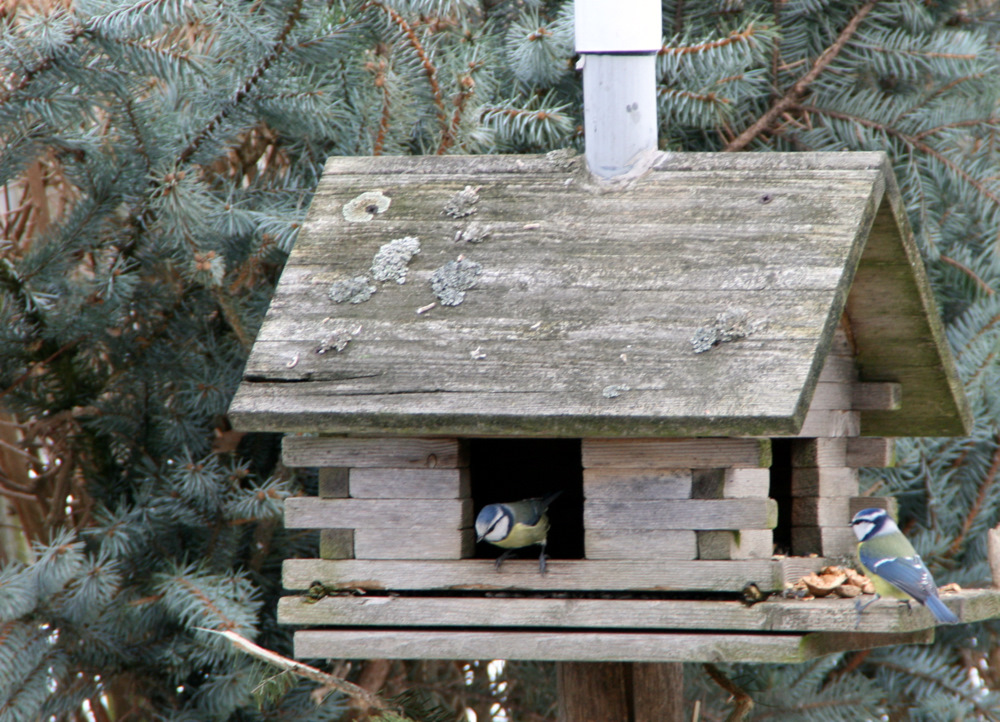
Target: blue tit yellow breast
[522,535]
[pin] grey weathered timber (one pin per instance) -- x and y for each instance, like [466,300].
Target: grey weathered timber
[590,646]
[792,616]
[623,484]
[589,296]
[822,481]
[870,451]
[889,503]
[563,574]
[339,451]
[808,453]
[681,514]
[739,544]
[412,542]
[821,510]
[305,512]
[690,453]
[409,483]
[640,544]
[831,541]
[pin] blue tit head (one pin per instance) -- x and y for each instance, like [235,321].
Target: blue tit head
[494,523]
[870,523]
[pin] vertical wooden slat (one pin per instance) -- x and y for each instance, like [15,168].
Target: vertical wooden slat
[658,692]
[592,692]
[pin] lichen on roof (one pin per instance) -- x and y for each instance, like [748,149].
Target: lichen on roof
[354,290]
[392,259]
[453,279]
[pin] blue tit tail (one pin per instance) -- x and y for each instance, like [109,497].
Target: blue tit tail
[940,611]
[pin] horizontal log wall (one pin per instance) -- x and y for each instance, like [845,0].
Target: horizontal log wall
[677,499]
[564,575]
[590,646]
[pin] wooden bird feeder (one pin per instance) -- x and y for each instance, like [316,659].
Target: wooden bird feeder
[701,357]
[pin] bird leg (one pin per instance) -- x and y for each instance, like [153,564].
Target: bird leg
[541,560]
[503,557]
[862,607]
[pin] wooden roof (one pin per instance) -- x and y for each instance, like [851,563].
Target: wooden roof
[579,306]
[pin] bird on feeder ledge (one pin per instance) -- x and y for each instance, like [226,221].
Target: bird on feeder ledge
[894,566]
[514,525]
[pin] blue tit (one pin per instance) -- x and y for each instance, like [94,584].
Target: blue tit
[514,525]
[893,565]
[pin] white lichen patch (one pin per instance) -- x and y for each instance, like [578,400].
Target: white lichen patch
[338,339]
[353,290]
[366,206]
[473,233]
[730,325]
[453,279]
[393,258]
[463,203]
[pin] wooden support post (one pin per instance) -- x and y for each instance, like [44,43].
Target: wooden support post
[993,554]
[620,692]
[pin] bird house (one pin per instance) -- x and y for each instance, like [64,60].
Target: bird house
[700,357]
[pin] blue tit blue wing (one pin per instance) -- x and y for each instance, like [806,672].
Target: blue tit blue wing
[908,574]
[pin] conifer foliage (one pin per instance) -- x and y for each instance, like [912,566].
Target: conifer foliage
[157,158]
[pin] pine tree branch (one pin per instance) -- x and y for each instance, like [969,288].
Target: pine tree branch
[742,702]
[277,48]
[856,660]
[935,681]
[328,681]
[983,285]
[971,123]
[795,93]
[912,142]
[736,36]
[985,485]
[429,68]
[41,66]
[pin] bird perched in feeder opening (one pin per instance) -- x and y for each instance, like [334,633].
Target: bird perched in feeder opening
[515,525]
[895,568]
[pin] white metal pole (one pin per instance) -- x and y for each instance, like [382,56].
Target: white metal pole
[618,42]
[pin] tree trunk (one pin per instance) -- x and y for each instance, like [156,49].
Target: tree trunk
[620,692]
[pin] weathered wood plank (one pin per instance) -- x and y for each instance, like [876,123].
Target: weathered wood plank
[889,503]
[333,483]
[821,511]
[302,512]
[681,514]
[630,307]
[884,396]
[934,401]
[373,452]
[691,453]
[641,544]
[830,423]
[789,616]
[839,370]
[830,541]
[731,483]
[409,542]
[831,395]
[336,543]
[808,453]
[870,451]
[382,483]
[588,646]
[825,481]
[743,544]
[562,575]
[622,484]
